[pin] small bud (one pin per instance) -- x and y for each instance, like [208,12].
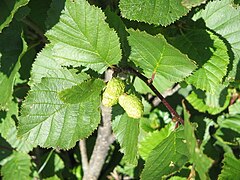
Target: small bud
[115,88]
[132,105]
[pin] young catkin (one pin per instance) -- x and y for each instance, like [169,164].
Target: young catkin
[115,87]
[132,105]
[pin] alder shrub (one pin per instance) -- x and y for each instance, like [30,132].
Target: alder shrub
[119,89]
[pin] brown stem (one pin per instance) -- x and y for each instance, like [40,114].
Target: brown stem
[6,148]
[35,28]
[159,95]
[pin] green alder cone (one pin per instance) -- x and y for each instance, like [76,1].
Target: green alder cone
[132,105]
[115,88]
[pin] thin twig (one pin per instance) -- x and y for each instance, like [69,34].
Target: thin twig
[83,151]
[104,139]
[36,28]
[6,148]
[156,101]
[171,91]
[159,95]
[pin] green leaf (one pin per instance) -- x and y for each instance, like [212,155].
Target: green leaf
[8,8]
[82,92]
[152,139]
[230,168]
[49,122]
[12,48]
[83,38]
[207,134]
[167,157]
[51,163]
[192,3]
[225,24]
[116,22]
[210,52]
[177,178]
[226,138]
[18,167]
[234,108]
[38,12]
[155,56]
[211,103]
[200,160]
[126,130]
[8,130]
[5,153]
[54,13]
[44,65]
[231,122]
[158,12]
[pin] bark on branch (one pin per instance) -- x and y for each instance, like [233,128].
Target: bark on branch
[104,139]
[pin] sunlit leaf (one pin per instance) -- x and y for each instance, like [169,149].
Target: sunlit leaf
[8,130]
[152,140]
[167,157]
[231,122]
[230,168]
[211,103]
[44,65]
[211,53]
[126,130]
[153,12]
[83,38]
[18,167]
[192,3]
[154,55]
[225,24]
[81,92]
[49,122]
[235,108]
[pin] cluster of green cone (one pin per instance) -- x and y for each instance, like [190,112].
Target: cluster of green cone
[114,93]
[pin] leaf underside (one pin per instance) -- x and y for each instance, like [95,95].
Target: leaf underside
[8,130]
[49,122]
[42,69]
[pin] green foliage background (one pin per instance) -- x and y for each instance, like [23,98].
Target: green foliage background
[53,57]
